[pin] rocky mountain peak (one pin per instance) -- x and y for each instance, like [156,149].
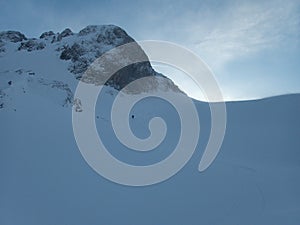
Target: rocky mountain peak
[12,36]
[108,34]
[47,34]
[83,48]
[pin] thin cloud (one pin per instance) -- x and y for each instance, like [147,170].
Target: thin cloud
[250,28]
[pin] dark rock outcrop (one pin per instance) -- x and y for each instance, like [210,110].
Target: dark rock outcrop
[94,41]
[73,52]
[12,36]
[47,34]
[67,32]
[32,45]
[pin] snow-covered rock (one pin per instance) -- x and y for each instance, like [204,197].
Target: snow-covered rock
[74,52]
[47,34]
[67,32]
[31,45]
[12,36]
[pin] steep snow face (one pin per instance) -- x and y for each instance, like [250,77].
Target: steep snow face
[45,180]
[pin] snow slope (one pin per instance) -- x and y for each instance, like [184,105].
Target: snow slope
[44,179]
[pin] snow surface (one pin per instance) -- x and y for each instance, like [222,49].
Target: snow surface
[44,179]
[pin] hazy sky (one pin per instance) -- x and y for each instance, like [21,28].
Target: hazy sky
[253,47]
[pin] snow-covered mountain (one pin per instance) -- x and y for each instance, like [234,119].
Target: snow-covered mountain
[50,59]
[44,179]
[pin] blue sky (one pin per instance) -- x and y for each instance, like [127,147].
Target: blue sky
[253,47]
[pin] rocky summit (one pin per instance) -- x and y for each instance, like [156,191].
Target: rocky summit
[81,49]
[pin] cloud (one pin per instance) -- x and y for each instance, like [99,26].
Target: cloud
[221,31]
[226,33]
[248,28]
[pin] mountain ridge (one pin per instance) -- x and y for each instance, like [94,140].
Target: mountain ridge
[47,58]
[83,48]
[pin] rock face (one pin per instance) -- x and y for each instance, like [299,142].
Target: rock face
[83,48]
[12,36]
[74,52]
[47,34]
[89,44]
[32,45]
[67,32]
